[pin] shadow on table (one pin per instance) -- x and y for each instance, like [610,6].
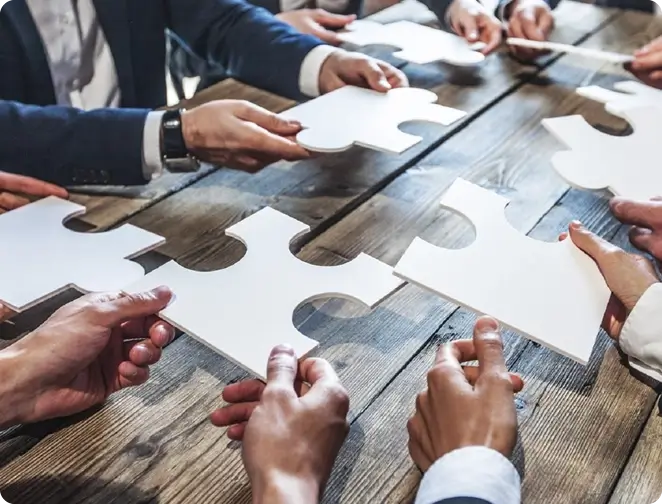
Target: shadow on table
[67,488]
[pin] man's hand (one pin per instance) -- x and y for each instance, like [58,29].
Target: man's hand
[531,20]
[628,276]
[291,436]
[466,406]
[240,135]
[472,21]
[344,68]
[85,351]
[646,219]
[647,65]
[14,188]
[317,22]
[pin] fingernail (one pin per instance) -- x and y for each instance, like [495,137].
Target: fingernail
[283,349]
[144,352]
[615,202]
[383,82]
[487,324]
[472,36]
[575,224]
[162,291]
[167,333]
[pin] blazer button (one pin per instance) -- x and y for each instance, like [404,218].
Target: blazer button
[105,176]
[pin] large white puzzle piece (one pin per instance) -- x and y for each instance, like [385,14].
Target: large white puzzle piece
[627,94]
[39,257]
[626,165]
[245,310]
[356,116]
[419,44]
[551,292]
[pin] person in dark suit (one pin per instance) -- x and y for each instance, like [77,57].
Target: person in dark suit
[81,79]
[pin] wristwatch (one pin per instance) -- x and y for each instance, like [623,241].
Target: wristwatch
[175,155]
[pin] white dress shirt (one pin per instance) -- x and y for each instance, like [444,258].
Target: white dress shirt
[84,72]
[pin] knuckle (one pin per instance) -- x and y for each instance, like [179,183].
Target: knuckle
[421,400]
[339,396]
[498,377]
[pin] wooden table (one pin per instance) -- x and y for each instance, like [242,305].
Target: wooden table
[588,434]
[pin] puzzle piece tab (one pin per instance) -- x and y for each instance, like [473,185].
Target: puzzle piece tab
[417,43]
[626,165]
[551,292]
[39,257]
[627,94]
[245,310]
[356,116]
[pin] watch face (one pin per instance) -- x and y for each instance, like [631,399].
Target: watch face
[171,123]
[186,164]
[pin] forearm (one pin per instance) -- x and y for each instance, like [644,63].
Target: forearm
[286,489]
[12,401]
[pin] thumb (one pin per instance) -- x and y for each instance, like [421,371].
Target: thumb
[282,368]
[119,309]
[330,20]
[469,28]
[375,77]
[269,121]
[589,243]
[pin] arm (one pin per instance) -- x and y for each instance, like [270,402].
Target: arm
[247,41]
[473,474]
[440,9]
[67,146]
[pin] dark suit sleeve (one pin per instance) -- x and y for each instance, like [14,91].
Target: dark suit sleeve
[504,3]
[67,146]
[247,41]
[439,7]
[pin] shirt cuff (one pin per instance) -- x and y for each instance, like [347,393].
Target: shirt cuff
[152,162]
[476,472]
[309,75]
[641,337]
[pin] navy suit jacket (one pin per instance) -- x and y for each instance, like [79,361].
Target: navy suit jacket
[68,146]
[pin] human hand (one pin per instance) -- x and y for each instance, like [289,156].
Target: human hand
[472,21]
[531,20]
[240,135]
[647,65]
[628,276]
[291,436]
[87,350]
[14,188]
[466,405]
[317,22]
[646,219]
[344,68]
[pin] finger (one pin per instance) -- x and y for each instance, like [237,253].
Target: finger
[653,45]
[236,432]
[545,23]
[473,373]
[268,120]
[265,142]
[330,20]
[142,353]
[489,347]
[420,447]
[159,332]
[328,36]
[491,36]
[281,371]
[515,29]
[591,244]
[563,236]
[374,76]
[396,78]
[131,375]
[28,185]
[326,390]
[530,28]
[447,371]
[468,28]
[638,213]
[119,308]
[642,238]
[233,414]
[648,62]
[243,391]
[6,313]
[10,201]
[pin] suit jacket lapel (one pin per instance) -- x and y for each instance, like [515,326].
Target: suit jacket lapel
[114,17]
[41,81]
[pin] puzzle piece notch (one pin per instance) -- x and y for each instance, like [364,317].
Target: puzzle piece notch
[417,43]
[526,284]
[626,95]
[623,164]
[356,116]
[243,311]
[89,262]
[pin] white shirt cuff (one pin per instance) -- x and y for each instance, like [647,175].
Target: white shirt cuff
[152,162]
[641,337]
[474,471]
[309,75]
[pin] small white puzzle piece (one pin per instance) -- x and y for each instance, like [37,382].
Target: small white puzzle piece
[627,94]
[243,311]
[40,257]
[356,116]
[417,43]
[551,292]
[607,56]
[626,165]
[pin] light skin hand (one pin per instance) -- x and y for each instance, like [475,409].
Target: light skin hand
[472,21]
[466,406]
[343,68]
[317,22]
[240,135]
[86,351]
[14,188]
[628,276]
[647,65]
[646,219]
[290,436]
[530,20]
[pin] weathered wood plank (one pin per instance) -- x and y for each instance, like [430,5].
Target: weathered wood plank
[155,440]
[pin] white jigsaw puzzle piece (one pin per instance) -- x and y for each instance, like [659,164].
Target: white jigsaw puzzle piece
[356,116]
[551,292]
[626,165]
[243,311]
[627,94]
[40,257]
[417,43]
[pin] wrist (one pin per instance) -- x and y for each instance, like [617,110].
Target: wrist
[190,131]
[282,488]
[14,387]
